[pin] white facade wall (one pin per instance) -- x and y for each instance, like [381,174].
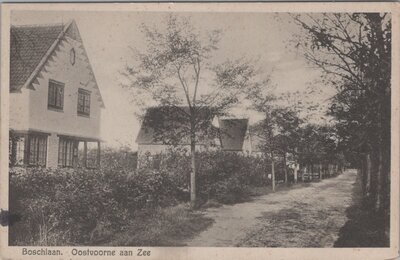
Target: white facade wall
[19,114]
[29,111]
[74,77]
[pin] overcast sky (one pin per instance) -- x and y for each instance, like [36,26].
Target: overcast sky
[108,36]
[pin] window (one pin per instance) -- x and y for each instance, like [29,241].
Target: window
[37,150]
[76,153]
[83,102]
[19,151]
[67,151]
[56,95]
[16,149]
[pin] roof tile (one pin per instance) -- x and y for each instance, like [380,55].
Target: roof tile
[170,125]
[28,46]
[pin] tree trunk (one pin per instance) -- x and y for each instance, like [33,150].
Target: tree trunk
[378,201]
[361,170]
[193,170]
[285,168]
[368,175]
[320,171]
[273,171]
[295,172]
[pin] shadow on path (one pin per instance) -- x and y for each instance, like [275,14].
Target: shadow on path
[365,228]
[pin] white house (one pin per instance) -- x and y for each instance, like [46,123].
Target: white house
[55,102]
[168,127]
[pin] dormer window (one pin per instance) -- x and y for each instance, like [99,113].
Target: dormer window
[55,95]
[83,102]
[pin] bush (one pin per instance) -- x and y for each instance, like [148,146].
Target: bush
[221,176]
[87,206]
[122,158]
[78,206]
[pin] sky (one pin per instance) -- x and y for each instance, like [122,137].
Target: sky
[108,38]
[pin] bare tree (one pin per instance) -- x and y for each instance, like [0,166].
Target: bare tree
[173,70]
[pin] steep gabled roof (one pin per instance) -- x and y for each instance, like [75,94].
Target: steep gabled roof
[170,125]
[233,132]
[31,46]
[257,138]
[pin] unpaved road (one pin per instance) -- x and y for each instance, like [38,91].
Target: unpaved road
[305,217]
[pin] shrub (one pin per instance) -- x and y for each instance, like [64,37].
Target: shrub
[76,206]
[75,203]
[87,206]
[123,158]
[222,176]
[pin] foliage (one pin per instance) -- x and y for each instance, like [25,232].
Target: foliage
[47,200]
[81,205]
[220,174]
[354,52]
[170,72]
[122,158]
[97,208]
[87,206]
[319,144]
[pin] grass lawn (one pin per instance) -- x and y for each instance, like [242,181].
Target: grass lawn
[162,227]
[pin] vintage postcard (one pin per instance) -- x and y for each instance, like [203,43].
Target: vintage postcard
[200,131]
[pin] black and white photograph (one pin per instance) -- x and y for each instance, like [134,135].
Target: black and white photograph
[167,129]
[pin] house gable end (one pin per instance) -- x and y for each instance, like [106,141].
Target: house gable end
[233,133]
[33,49]
[75,76]
[72,31]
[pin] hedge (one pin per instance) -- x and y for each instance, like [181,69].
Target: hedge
[85,206]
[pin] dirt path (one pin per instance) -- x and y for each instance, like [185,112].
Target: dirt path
[305,217]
